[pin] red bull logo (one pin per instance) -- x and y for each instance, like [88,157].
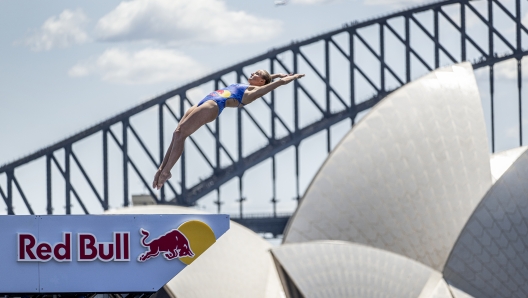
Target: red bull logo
[185,243]
[48,254]
[172,244]
[221,92]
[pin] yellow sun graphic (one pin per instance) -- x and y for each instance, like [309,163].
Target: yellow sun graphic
[224,93]
[200,237]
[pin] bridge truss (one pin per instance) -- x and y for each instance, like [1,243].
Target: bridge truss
[348,71]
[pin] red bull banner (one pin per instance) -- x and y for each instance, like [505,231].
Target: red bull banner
[101,253]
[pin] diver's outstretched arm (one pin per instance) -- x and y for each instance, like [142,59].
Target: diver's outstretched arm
[279,75]
[263,90]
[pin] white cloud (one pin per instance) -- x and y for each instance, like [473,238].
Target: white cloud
[311,1]
[178,21]
[396,3]
[508,69]
[58,32]
[196,94]
[143,67]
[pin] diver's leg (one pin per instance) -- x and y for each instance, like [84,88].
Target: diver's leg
[189,111]
[199,116]
[166,157]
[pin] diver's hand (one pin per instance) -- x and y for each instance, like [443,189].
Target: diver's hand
[160,178]
[289,78]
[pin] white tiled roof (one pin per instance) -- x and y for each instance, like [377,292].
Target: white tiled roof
[407,177]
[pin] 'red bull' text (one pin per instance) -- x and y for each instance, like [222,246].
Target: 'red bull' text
[30,250]
[88,248]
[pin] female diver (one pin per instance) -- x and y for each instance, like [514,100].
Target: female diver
[209,108]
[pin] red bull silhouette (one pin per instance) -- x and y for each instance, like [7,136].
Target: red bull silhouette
[172,244]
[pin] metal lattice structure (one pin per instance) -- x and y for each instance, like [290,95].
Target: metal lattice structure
[428,37]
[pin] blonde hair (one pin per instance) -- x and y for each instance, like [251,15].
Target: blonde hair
[266,76]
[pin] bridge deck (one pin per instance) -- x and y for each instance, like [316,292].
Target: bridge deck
[264,223]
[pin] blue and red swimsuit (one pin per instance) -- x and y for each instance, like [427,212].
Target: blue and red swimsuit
[235,91]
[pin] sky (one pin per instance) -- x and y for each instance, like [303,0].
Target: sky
[67,65]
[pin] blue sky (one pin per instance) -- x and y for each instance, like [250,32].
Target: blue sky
[67,65]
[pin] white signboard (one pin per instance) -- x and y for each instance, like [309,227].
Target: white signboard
[101,253]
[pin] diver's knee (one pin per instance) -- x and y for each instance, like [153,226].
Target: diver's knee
[179,133]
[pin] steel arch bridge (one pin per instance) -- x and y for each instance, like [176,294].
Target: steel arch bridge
[348,71]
